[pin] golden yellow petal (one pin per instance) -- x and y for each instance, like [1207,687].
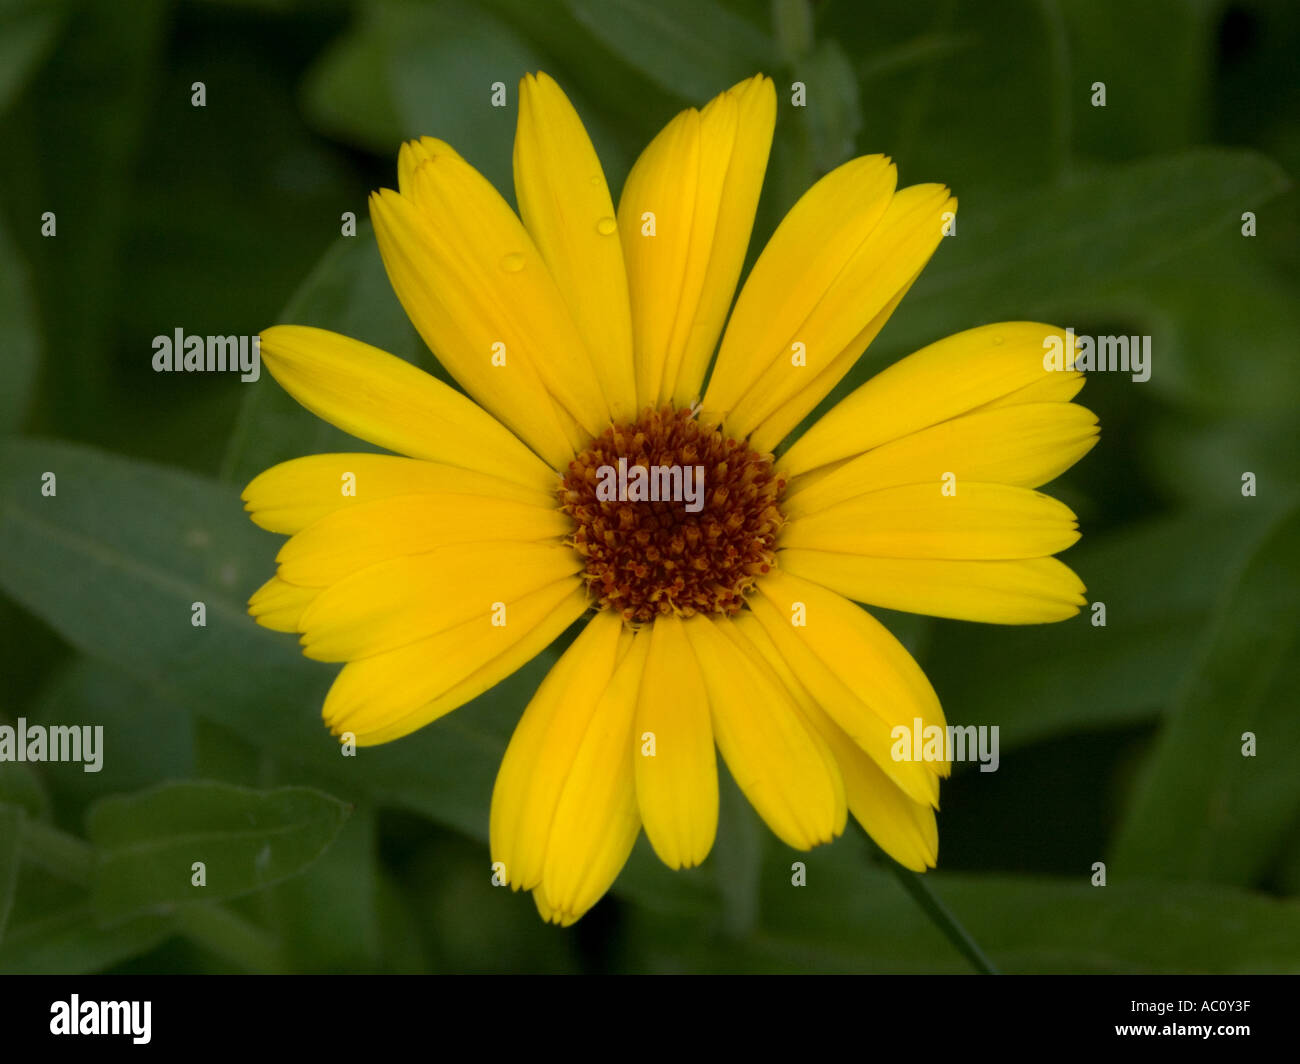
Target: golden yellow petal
[294,494]
[379,530]
[676,766]
[988,521]
[863,678]
[279,605]
[538,759]
[1023,591]
[378,397]
[837,321]
[952,377]
[775,756]
[410,597]
[596,818]
[810,248]
[903,828]
[684,219]
[459,316]
[392,694]
[1024,445]
[566,207]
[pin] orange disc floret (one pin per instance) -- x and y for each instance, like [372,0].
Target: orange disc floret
[697,548]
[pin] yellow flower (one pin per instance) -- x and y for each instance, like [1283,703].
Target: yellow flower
[585,335]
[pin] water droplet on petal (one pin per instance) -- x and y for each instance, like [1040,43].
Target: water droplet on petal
[606,226]
[513,263]
[997,340]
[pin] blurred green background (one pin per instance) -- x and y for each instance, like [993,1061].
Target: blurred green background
[1119,744]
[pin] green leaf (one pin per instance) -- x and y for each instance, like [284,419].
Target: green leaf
[246,839]
[932,100]
[414,69]
[1155,59]
[691,48]
[147,738]
[1195,461]
[52,926]
[1203,809]
[72,941]
[443,60]
[792,26]
[114,563]
[410,69]
[346,93]
[853,916]
[327,917]
[831,111]
[1046,253]
[1224,326]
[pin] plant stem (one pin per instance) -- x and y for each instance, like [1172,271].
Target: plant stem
[940,915]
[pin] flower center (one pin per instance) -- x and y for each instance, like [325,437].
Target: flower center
[672,517]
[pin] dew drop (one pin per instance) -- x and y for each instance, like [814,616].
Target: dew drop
[997,340]
[606,226]
[513,263]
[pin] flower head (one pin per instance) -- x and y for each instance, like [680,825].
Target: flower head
[589,473]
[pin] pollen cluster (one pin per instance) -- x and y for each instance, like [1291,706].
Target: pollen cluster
[646,558]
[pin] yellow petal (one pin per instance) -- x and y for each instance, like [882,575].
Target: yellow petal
[863,678]
[1024,591]
[776,757]
[843,318]
[479,239]
[787,417]
[379,530]
[541,751]
[954,376]
[697,183]
[1024,444]
[279,605]
[457,312]
[407,598]
[596,818]
[292,495]
[813,244]
[384,697]
[566,207]
[547,911]
[564,815]
[415,152]
[903,828]
[677,781]
[988,521]
[377,397]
